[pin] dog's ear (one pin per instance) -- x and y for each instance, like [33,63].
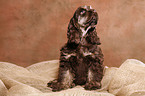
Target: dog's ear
[95,19]
[92,37]
[75,19]
[95,40]
[72,33]
[76,14]
[94,22]
[74,23]
[98,41]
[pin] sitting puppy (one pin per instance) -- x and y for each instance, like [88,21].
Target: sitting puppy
[81,58]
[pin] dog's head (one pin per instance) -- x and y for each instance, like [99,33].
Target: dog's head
[85,16]
[83,21]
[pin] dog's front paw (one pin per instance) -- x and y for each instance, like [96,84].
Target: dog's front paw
[56,86]
[92,85]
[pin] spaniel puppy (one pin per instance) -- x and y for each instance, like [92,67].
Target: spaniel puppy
[81,59]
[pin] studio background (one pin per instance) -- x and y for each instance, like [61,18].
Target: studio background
[32,31]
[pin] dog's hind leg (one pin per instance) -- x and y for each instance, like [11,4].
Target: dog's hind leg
[95,74]
[66,76]
[95,70]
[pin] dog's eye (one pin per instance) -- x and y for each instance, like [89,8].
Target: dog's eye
[83,12]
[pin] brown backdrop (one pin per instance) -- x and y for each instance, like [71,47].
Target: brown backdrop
[34,30]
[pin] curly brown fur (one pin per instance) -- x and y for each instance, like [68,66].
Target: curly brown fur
[81,59]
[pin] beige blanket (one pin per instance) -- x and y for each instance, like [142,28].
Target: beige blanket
[127,80]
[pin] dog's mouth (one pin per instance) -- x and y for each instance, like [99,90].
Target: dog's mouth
[82,20]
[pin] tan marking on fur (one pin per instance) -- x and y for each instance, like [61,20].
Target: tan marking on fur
[87,53]
[83,30]
[69,55]
[68,79]
[90,75]
[82,20]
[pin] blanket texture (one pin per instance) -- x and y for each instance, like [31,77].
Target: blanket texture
[127,80]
